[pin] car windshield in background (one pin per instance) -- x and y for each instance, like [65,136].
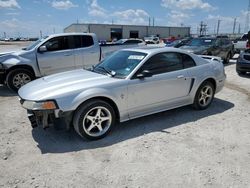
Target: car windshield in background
[120,64]
[201,42]
[34,44]
[121,41]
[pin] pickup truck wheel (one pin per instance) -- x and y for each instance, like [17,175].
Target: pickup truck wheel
[94,119]
[204,96]
[18,77]
[226,61]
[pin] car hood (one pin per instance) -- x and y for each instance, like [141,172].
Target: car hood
[194,49]
[16,54]
[63,84]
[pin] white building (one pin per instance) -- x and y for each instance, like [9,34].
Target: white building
[111,31]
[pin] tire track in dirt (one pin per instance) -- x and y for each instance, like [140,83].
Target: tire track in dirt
[237,88]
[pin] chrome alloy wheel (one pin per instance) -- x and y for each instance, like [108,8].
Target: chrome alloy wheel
[21,79]
[206,95]
[97,121]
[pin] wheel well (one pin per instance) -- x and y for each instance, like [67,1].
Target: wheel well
[109,101]
[212,81]
[27,67]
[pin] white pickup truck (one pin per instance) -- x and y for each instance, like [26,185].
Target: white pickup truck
[52,54]
[241,43]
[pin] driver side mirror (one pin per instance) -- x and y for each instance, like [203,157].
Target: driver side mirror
[144,74]
[42,49]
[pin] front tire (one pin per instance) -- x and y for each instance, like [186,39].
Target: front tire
[94,119]
[204,96]
[18,77]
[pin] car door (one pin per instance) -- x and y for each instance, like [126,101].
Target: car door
[59,56]
[168,87]
[86,53]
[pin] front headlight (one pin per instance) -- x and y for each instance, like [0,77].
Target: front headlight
[42,105]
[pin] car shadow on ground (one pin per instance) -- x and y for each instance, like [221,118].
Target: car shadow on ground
[6,92]
[247,75]
[53,141]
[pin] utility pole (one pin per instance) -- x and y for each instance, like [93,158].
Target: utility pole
[218,26]
[153,21]
[239,29]
[234,25]
[203,28]
[41,34]
[247,18]
[4,34]
[149,21]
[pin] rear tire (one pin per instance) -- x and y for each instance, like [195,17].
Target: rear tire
[204,96]
[94,119]
[226,61]
[18,77]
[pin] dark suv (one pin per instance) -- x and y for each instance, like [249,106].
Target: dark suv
[221,47]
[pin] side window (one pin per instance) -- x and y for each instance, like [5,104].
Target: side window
[187,61]
[244,37]
[87,41]
[83,41]
[163,62]
[57,44]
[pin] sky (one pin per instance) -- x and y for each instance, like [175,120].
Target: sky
[26,18]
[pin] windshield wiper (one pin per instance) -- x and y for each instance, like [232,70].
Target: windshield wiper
[109,72]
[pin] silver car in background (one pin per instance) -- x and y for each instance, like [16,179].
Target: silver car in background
[129,84]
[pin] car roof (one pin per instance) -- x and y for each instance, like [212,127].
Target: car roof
[153,50]
[70,34]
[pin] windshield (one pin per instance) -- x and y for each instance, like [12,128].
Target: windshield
[120,64]
[34,44]
[201,42]
[121,41]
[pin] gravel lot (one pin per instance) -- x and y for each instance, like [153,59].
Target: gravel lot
[176,148]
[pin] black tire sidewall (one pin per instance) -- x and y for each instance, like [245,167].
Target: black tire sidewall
[81,112]
[11,75]
[196,103]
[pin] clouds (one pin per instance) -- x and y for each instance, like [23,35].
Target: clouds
[95,9]
[63,5]
[187,4]
[9,4]
[131,16]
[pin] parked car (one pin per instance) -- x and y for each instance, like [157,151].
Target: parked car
[48,55]
[52,54]
[221,47]
[241,43]
[152,40]
[178,43]
[243,62]
[128,84]
[168,40]
[129,41]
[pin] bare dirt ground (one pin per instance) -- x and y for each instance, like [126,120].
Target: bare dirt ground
[176,148]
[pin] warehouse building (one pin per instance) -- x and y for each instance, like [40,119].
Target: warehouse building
[111,31]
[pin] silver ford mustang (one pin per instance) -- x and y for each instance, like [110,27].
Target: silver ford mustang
[128,84]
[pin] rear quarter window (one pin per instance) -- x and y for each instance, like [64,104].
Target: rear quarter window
[187,61]
[83,41]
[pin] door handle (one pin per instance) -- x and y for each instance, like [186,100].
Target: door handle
[180,76]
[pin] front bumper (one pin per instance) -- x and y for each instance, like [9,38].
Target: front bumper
[243,67]
[2,74]
[50,118]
